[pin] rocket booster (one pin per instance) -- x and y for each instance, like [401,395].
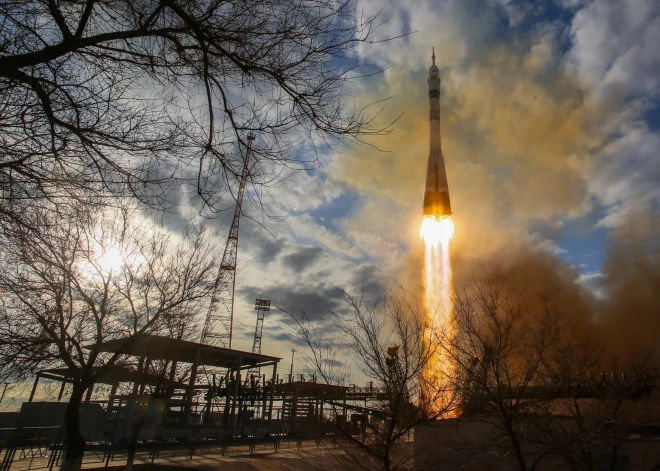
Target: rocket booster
[436,194]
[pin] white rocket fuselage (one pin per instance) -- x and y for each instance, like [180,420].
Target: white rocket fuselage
[436,195]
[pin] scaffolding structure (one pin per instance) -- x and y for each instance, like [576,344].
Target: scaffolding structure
[194,408]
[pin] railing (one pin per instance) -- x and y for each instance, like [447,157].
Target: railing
[18,454]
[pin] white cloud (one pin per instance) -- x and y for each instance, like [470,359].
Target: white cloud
[615,46]
[516,11]
[627,175]
[541,243]
[593,281]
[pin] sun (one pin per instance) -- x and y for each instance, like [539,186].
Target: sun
[111,260]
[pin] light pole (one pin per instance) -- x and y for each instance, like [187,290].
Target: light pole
[293,352]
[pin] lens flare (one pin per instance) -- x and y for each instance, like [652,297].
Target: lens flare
[437,232]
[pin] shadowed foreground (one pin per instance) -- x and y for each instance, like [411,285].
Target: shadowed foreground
[307,458]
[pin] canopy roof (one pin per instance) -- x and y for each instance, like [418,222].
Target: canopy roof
[112,375]
[156,347]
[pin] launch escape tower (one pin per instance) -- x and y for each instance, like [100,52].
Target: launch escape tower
[218,326]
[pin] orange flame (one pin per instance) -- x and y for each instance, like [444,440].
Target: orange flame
[437,232]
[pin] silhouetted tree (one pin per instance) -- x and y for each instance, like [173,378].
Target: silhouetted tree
[605,402]
[503,336]
[386,341]
[78,282]
[137,98]
[532,386]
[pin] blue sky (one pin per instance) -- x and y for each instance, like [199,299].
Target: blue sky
[550,123]
[550,130]
[550,118]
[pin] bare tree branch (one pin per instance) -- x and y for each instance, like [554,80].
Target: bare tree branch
[126,98]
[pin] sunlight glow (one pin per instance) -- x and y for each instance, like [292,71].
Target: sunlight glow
[111,260]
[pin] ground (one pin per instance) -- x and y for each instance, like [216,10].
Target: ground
[287,458]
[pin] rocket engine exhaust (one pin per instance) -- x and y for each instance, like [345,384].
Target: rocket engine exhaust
[436,194]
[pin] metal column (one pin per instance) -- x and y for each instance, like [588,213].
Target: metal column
[34,388]
[234,398]
[272,393]
[191,390]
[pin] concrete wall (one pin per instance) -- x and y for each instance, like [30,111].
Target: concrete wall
[479,444]
[467,444]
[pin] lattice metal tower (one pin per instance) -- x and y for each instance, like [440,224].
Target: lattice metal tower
[261,306]
[218,327]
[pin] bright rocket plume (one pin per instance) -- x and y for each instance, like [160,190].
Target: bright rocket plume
[436,232]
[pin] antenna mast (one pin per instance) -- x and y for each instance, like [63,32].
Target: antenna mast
[218,327]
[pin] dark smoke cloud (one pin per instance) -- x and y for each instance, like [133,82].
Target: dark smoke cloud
[630,313]
[624,318]
[529,146]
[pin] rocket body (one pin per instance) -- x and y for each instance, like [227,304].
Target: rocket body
[436,194]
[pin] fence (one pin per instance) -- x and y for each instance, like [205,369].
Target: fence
[39,448]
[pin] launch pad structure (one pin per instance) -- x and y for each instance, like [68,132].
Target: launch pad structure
[226,407]
[183,390]
[179,390]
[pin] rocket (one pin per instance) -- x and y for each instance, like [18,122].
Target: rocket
[436,194]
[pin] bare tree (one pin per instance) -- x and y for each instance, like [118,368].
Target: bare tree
[503,337]
[533,395]
[323,350]
[603,409]
[386,340]
[136,98]
[78,282]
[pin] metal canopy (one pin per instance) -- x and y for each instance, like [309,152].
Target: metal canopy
[156,347]
[111,375]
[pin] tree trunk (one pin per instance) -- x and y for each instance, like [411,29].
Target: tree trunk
[614,456]
[74,442]
[386,460]
[132,447]
[136,426]
[517,449]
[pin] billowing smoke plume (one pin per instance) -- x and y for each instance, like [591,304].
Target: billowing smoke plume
[526,141]
[629,314]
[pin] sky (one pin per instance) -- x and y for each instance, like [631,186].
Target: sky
[550,121]
[550,118]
